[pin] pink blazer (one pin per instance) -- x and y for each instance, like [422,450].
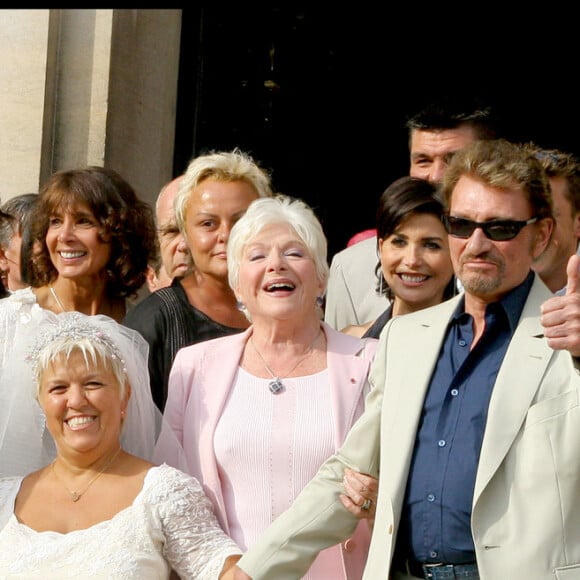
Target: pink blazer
[199,383]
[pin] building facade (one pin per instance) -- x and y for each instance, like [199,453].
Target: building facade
[88,87]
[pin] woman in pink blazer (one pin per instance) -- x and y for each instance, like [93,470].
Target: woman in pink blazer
[257,413]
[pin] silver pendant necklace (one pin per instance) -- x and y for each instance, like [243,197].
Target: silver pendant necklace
[76,495]
[276,385]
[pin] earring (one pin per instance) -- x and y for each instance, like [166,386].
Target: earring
[320,301]
[240,306]
[122,412]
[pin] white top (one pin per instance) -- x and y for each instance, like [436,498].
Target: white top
[170,524]
[351,292]
[268,447]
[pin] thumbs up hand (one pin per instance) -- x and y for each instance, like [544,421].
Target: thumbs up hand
[560,315]
[573,273]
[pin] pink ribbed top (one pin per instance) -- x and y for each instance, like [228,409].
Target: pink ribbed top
[268,447]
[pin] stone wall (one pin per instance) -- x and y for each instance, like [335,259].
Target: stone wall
[88,87]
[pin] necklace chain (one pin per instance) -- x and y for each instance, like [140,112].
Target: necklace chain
[55,296]
[276,385]
[76,495]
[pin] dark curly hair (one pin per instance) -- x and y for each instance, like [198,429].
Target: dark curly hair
[125,220]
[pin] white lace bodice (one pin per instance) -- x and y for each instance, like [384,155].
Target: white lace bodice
[169,525]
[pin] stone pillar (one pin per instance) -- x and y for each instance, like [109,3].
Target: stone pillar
[143,97]
[24,38]
[88,87]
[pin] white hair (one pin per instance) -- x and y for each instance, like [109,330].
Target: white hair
[274,210]
[94,351]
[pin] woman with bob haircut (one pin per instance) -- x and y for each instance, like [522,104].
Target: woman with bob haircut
[414,269]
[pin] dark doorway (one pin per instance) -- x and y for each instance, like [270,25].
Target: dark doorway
[320,97]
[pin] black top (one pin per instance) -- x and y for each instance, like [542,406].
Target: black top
[375,328]
[169,322]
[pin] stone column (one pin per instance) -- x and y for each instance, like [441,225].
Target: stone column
[88,87]
[24,38]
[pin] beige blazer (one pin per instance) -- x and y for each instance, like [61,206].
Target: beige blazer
[351,296]
[526,504]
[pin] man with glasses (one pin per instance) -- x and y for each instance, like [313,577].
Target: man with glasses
[478,439]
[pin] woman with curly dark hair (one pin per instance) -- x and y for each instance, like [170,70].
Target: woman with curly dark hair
[92,240]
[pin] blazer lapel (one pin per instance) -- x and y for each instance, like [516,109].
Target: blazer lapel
[518,380]
[218,365]
[406,367]
[348,366]
[407,354]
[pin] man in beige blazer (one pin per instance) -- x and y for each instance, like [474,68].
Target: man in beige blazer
[484,385]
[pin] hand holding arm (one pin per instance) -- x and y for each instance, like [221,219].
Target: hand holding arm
[361,490]
[231,572]
[237,574]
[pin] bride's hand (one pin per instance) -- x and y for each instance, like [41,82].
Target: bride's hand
[360,497]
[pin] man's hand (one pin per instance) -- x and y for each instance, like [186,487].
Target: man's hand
[560,315]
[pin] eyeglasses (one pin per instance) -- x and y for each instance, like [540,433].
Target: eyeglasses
[496,230]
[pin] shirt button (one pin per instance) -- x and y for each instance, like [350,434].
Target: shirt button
[431,497]
[454,392]
[349,545]
[462,342]
[433,554]
[441,442]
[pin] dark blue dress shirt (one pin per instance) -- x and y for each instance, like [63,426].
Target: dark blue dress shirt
[435,522]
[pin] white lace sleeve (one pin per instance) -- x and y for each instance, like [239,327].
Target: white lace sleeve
[195,544]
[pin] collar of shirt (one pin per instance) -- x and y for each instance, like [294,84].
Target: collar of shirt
[512,303]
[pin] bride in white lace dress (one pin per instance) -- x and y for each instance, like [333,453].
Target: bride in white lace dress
[97,511]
